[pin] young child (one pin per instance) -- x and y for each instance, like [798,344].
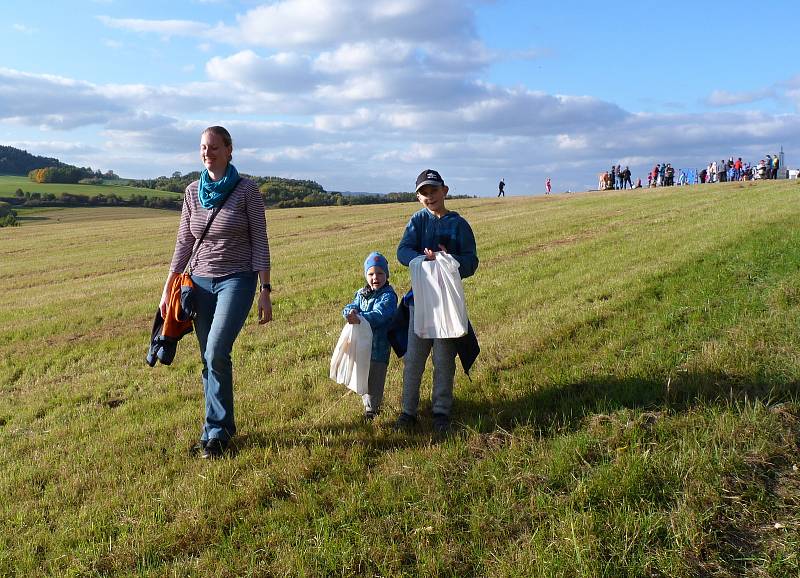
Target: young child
[433,228]
[376,302]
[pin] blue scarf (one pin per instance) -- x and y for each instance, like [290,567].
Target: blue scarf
[212,193]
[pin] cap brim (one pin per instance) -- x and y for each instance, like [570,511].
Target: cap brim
[429,182]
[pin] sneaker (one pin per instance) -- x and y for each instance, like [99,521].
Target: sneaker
[198,448]
[214,449]
[369,416]
[441,424]
[405,422]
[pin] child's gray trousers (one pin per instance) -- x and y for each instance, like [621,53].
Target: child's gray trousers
[444,369]
[377,379]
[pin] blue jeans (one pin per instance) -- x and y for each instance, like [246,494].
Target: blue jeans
[222,307]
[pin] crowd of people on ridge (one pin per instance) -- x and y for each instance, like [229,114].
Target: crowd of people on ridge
[617,178]
[664,174]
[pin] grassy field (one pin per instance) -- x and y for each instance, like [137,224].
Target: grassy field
[634,410]
[10,183]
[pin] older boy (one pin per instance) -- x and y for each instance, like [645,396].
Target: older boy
[433,228]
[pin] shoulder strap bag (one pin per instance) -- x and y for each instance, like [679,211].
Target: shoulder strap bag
[184,280]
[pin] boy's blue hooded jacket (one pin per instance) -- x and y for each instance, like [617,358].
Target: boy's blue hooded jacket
[427,231]
[378,309]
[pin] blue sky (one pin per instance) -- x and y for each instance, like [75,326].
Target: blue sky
[362,96]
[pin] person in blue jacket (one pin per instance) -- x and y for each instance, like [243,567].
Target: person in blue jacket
[431,229]
[376,303]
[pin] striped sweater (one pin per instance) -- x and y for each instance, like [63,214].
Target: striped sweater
[235,243]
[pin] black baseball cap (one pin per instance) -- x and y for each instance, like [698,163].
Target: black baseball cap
[429,177]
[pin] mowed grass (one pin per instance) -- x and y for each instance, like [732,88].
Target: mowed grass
[9,184]
[634,410]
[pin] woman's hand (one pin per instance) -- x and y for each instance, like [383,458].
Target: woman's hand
[264,307]
[352,317]
[162,305]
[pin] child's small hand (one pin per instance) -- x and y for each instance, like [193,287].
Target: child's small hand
[352,317]
[431,255]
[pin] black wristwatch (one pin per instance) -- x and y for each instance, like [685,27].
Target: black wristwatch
[266,286]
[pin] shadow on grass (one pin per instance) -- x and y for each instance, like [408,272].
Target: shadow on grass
[377,436]
[549,409]
[560,407]
[33,218]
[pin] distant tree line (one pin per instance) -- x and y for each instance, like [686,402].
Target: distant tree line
[281,193]
[278,192]
[68,174]
[28,199]
[177,183]
[274,199]
[274,189]
[60,174]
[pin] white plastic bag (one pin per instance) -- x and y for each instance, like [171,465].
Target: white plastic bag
[351,356]
[440,310]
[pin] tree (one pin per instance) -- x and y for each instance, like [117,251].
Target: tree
[60,174]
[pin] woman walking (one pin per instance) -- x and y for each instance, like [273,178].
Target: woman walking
[226,267]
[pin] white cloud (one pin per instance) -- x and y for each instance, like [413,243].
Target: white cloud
[52,101]
[24,29]
[279,73]
[356,88]
[361,118]
[567,142]
[321,22]
[725,98]
[358,56]
[52,147]
[294,22]
[165,28]
[336,152]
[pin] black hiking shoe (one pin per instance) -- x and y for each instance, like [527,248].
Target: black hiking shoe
[405,422]
[369,416]
[441,424]
[214,449]
[198,448]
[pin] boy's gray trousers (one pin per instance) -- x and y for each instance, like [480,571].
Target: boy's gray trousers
[444,369]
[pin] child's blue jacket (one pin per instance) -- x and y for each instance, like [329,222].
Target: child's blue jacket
[426,231]
[378,309]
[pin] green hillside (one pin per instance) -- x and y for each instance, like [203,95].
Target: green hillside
[10,183]
[634,410]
